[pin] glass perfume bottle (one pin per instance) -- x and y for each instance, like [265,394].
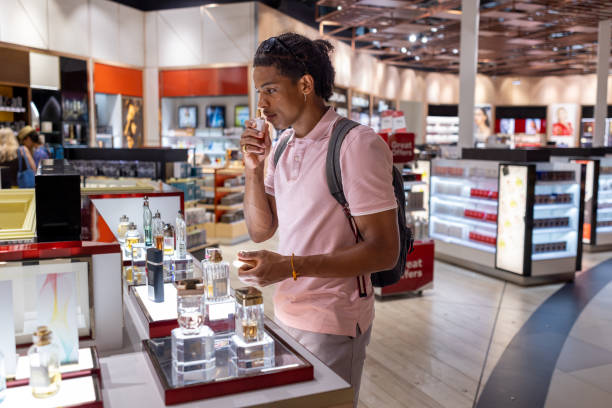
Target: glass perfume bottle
[147,220]
[132,236]
[217,275]
[44,356]
[251,347]
[189,305]
[181,236]
[124,223]
[168,240]
[158,231]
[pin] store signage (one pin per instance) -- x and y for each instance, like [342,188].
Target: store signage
[419,270]
[402,146]
[386,121]
[399,121]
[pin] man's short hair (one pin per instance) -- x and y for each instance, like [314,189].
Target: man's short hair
[295,56]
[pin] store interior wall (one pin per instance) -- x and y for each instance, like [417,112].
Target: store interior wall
[169,109]
[228,34]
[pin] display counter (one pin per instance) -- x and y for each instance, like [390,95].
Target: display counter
[516,220]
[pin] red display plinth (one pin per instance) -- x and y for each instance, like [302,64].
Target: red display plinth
[419,271]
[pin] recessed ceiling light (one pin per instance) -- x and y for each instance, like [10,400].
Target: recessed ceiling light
[412,38]
[404,49]
[555,49]
[417,58]
[433,29]
[443,49]
[339,8]
[455,51]
[424,40]
[374,30]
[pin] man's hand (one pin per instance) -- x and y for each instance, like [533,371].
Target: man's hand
[255,145]
[263,268]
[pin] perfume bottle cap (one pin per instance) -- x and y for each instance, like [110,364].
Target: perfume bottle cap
[42,337]
[248,296]
[146,200]
[132,226]
[214,255]
[190,287]
[124,218]
[157,214]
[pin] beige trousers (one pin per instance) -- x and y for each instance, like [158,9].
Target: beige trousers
[343,354]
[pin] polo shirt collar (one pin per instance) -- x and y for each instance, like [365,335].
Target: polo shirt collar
[323,128]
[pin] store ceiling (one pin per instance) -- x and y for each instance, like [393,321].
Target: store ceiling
[538,37]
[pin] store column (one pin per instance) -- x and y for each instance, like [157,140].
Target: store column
[603,67]
[151,107]
[467,71]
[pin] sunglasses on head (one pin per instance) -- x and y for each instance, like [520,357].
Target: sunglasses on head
[269,45]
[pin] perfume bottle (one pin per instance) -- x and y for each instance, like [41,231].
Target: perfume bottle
[259,120]
[155,275]
[147,219]
[217,275]
[189,305]
[124,223]
[158,231]
[249,314]
[181,236]
[168,240]
[132,236]
[44,356]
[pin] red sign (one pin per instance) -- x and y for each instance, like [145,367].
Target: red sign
[402,146]
[419,270]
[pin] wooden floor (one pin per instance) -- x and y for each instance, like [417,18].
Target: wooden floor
[438,350]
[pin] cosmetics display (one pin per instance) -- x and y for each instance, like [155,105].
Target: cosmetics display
[155,275]
[252,348]
[44,356]
[442,129]
[522,231]
[193,343]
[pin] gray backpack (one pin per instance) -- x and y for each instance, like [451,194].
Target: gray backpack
[334,183]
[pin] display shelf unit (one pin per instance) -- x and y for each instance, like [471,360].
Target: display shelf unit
[442,129]
[526,229]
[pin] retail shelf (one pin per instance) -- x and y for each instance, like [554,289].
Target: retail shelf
[553,206]
[206,206]
[458,241]
[467,221]
[235,189]
[552,255]
[207,188]
[12,109]
[413,183]
[604,210]
[604,229]
[560,230]
[454,198]
[231,171]
[196,227]
[230,207]
[556,183]
[415,209]
[464,178]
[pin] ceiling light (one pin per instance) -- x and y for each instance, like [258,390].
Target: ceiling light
[404,49]
[516,82]
[211,5]
[339,8]
[374,30]
[417,58]
[376,44]
[441,35]
[433,29]
[455,51]
[555,49]
[412,38]
[424,40]
[443,49]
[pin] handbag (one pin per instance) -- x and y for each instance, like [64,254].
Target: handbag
[25,178]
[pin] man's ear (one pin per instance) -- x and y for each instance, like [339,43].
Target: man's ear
[306,84]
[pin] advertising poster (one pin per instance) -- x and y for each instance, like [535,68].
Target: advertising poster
[131,121]
[57,309]
[562,119]
[483,123]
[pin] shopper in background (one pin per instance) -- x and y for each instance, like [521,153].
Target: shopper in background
[41,152]
[8,158]
[28,139]
[319,265]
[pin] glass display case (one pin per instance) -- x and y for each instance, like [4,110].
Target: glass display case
[597,233]
[498,217]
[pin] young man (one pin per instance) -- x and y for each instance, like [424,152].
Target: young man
[320,304]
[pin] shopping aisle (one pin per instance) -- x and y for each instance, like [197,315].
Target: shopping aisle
[439,350]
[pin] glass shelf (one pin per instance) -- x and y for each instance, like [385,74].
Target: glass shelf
[459,241]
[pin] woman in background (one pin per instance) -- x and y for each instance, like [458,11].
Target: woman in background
[8,158]
[28,139]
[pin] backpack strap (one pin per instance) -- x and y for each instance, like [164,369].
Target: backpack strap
[282,145]
[332,164]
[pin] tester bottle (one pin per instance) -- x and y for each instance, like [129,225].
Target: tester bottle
[181,236]
[44,356]
[147,220]
[217,275]
[168,240]
[158,231]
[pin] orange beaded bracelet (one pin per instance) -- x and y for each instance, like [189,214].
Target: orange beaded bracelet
[293,268]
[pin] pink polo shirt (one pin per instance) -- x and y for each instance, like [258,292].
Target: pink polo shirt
[311,222]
